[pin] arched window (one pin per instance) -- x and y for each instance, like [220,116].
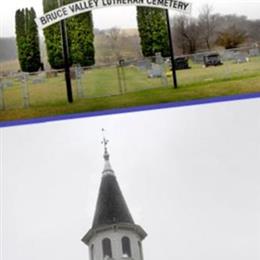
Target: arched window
[126,248]
[92,252]
[106,245]
[140,250]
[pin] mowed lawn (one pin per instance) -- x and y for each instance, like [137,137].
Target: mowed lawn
[102,91]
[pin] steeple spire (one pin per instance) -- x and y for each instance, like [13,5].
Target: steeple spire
[107,168]
[112,220]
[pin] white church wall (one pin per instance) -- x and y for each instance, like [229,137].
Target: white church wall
[115,235]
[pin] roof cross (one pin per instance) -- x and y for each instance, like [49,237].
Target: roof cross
[105,142]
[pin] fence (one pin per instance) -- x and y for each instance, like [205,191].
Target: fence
[24,90]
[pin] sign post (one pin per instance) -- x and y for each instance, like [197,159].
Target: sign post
[174,76]
[64,40]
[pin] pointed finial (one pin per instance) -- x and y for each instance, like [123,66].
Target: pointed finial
[105,142]
[107,167]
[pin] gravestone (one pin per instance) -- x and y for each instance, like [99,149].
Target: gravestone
[181,63]
[39,79]
[254,52]
[156,71]
[78,74]
[212,59]
[228,55]
[158,58]
[241,58]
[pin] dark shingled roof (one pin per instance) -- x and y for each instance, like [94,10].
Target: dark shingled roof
[111,207]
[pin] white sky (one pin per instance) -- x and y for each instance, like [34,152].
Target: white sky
[190,177]
[124,16]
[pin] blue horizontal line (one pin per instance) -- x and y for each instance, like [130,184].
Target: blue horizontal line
[128,110]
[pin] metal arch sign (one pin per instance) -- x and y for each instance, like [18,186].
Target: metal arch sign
[79,7]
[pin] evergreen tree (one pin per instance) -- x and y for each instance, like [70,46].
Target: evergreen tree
[145,30]
[53,38]
[152,26]
[21,38]
[34,58]
[27,40]
[80,38]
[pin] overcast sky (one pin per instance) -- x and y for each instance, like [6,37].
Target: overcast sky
[190,177]
[125,16]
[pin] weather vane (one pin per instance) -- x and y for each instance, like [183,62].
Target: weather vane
[105,141]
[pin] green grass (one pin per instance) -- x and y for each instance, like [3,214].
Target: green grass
[102,92]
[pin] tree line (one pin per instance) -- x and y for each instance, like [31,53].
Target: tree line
[80,34]
[190,35]
[27,40]
[211,30]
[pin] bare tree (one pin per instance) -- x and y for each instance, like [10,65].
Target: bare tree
[232,37]
[186,33]
[113,36]
[114,44]
[253,29]
[207,23]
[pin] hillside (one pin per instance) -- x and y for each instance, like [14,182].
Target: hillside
[7,49]
[126,45]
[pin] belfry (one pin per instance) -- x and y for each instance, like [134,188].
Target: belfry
[113,234]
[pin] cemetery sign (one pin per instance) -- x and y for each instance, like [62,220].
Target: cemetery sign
[79,7]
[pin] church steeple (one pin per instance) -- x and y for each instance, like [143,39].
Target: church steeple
[113,234]
[111,207]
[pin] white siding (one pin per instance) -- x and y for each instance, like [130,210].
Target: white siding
[115,235]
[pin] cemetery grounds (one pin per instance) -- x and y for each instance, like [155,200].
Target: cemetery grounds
[25,96]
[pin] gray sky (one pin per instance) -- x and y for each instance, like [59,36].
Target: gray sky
[190,177]
[125,16]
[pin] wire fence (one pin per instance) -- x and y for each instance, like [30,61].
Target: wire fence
[24,90]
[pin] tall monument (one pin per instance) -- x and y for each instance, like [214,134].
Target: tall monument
[113,234]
